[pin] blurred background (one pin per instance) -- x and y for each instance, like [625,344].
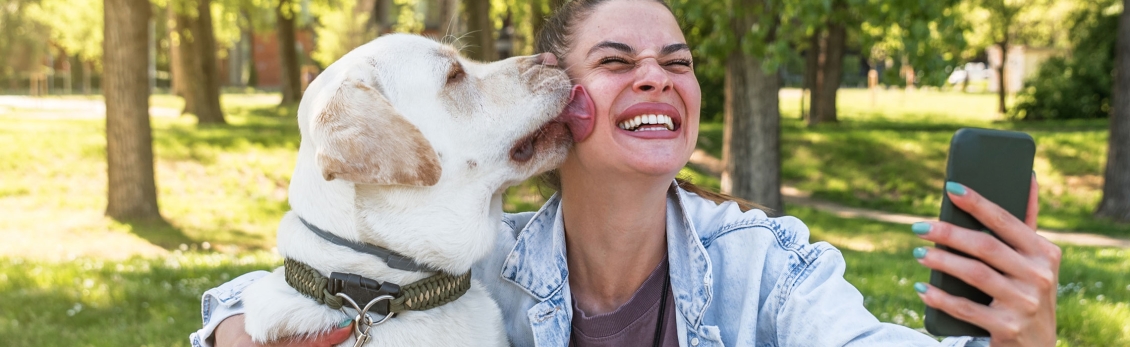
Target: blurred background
[146,146]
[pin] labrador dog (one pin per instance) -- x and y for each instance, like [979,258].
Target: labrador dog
[406,148]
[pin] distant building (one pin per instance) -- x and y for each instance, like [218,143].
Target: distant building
[1023,62]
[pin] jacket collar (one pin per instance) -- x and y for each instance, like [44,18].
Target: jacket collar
[537,262]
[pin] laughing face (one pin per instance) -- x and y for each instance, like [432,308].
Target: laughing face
[643,86]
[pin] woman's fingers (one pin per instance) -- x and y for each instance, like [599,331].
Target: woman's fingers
[1006,226]
[230,332]
[977,244]
[962,308]
[971,271]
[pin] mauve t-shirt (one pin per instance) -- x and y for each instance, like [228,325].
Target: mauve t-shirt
[634,323]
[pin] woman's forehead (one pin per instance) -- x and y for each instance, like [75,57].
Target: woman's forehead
[640,25]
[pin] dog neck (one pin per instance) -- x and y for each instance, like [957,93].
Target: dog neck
[431,225]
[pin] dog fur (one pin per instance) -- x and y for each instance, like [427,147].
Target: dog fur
[408,146]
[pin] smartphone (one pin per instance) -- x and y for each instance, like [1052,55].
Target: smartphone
[998,165]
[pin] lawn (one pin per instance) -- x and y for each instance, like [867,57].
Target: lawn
[891,156]
[69,276]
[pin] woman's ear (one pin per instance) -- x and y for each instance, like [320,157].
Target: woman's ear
[361,138]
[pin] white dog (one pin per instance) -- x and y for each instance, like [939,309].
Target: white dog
[406,149]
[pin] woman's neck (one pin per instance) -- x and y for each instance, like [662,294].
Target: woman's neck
[615,234]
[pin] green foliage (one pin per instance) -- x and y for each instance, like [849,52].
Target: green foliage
[76,25]
[1077,86]
[340,29]
[23,41]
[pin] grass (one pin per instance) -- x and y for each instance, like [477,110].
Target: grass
[892,156]
[155,301]
[69,276]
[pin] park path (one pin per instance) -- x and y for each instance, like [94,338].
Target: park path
[66,107]
[706,163]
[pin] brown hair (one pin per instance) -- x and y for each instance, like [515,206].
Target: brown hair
[555,37]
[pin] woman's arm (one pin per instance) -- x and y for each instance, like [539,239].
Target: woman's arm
[222,312]
[1020,270]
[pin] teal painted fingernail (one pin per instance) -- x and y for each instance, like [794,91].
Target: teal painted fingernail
[920,287]
[955,188]
[345,323]
[920,252]
[920,228]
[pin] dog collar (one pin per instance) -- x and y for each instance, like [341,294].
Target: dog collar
[384,299]
[392,259]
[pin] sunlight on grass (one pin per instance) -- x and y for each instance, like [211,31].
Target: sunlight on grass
[891,155]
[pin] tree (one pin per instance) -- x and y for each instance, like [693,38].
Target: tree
[825,65]
[195,45]
[751,139]
[480,30]
[1008,23]
[132,192]
[288,53]
[76,27]
[1115,203]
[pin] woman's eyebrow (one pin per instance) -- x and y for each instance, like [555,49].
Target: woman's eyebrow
[674,47]
[613,45]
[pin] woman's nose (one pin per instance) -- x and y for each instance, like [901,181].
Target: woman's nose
[650,77]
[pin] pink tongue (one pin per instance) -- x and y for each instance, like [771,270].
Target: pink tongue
[579,114]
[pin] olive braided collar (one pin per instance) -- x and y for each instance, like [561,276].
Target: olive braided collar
[385,298]
[425,294]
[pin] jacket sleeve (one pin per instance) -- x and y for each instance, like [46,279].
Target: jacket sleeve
[220,303]
[823,309]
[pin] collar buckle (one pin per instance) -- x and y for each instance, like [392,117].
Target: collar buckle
[363,289]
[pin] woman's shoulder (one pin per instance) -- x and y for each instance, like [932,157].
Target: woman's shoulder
[725,225]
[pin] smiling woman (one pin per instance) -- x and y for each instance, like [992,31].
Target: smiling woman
[624,255]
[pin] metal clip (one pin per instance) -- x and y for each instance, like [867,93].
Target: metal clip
[363,317]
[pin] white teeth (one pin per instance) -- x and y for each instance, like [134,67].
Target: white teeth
[648,119]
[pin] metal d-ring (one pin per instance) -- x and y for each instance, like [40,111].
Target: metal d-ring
[363,317]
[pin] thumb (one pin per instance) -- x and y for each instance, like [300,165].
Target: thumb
[334,337]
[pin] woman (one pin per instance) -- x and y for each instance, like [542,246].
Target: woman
[623,256]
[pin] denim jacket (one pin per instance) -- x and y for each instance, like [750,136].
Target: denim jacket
[738,279]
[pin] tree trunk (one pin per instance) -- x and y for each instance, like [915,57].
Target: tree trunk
[288,54]
[449,15]
[249,36]
[480,29]
[828,70]
[132,193]
[1115,203]
[831,73]
[751,140]
[86,72]
[1002,92]
[811,67]
[176,66]
[199,80]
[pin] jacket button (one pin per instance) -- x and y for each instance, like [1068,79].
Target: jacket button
[694,341]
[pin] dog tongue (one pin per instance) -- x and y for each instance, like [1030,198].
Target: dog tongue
[578,115]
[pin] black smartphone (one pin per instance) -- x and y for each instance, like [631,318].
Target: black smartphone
[998,165]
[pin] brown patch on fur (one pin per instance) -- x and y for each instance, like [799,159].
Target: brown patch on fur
[472,164]
[361,138]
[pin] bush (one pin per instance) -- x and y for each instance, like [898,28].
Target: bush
[1077,86]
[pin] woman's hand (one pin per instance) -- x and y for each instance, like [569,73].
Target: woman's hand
[1020,270]
[230,333]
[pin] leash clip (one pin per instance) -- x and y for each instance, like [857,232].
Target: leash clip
[363,317]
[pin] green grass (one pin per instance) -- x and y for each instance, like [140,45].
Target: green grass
[892,156]
[155,301]
[223,190]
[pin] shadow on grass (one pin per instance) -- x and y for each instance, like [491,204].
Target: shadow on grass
[159,232]
[263,127]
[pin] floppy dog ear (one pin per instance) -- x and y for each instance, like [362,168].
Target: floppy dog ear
[365,140]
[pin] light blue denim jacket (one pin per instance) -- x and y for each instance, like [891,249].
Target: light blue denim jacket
[739,279]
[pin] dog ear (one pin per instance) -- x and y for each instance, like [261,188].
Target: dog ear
[363,139]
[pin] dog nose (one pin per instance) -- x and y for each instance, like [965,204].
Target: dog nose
[547,59]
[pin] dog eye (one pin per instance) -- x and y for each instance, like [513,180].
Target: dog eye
[456,74]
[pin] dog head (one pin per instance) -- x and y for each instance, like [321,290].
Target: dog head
[406,110]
